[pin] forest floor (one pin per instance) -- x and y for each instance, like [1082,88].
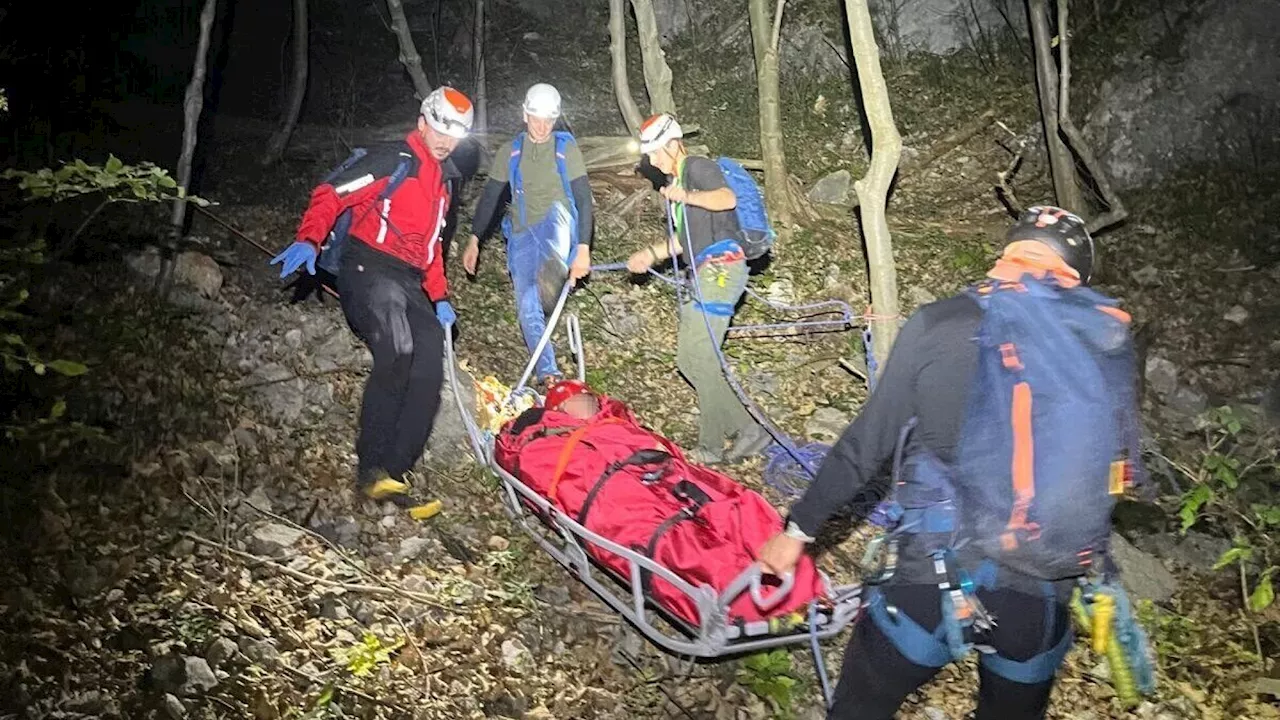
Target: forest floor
[201,553]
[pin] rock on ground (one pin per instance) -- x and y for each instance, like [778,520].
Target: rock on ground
[1145,577]
[834,189]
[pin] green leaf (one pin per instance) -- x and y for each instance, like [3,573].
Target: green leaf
[1191,504]
[68,367]
[114,165]
[1263,595]
[1235,554]
[58,410]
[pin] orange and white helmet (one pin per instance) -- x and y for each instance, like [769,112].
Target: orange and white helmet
[657,131]
[448,111]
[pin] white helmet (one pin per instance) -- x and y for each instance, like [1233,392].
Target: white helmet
[657,131]
[449,112]
[542,101]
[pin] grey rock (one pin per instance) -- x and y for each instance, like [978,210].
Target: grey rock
[195,270]
[941,27]
[553,595]
[275,540]
[331,608]
[781,291]
[1194,551]
[516,657]
[342,531]
[258,498]
[1147,275]
[918,296]
[199,677]
[1237,314]
[259,652]
[834,189]
[1187,401]
[411,548]
[826,424]
[220,651]
[174,708]
[293,338]
[1162,375]
[168,673]
[279,391]
[1143,575]
[1180,99]
[89,702]
[933,713]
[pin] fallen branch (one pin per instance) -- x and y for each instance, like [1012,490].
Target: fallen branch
[952,141]
[375,590]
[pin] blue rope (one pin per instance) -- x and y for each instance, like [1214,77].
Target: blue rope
[820,664]
[783,473]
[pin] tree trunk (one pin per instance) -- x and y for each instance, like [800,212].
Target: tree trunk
[477,59]
[618,49]
[408,51]
[1061,164]
[764,40]
[192,104]
[657,75]
[1115,208]
[297,87]
[873,188]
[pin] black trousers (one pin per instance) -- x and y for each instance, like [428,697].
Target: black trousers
[386,307]
[875,678]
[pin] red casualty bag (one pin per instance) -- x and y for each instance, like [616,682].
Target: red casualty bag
[635,488]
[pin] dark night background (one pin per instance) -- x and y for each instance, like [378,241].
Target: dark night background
[213,427]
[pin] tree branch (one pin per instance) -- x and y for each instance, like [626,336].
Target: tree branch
[1115,208]
[408,51]
[618,51]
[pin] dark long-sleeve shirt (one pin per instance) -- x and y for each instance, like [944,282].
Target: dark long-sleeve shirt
[927,376]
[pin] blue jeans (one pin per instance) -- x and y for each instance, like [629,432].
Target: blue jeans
[537,258]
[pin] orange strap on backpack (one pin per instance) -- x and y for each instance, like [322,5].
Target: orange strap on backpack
[566,453]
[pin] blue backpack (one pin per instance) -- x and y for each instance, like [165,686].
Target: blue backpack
[516,181]
[757,234]
[1049,438]
[330,259]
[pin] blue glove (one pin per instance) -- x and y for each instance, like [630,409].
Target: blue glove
[445,313]
[294,256]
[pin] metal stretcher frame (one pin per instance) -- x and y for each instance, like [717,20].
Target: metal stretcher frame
[565,540]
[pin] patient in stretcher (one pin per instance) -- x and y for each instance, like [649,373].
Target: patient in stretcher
[587,455]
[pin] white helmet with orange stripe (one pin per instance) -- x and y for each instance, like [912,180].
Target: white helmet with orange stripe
[448,111]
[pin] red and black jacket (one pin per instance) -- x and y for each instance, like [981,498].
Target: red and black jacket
[408,225]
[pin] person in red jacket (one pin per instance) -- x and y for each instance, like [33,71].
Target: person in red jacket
[392,286]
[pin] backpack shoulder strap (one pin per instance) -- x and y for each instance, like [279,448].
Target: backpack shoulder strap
[563,140]
[514,180]
[406,163]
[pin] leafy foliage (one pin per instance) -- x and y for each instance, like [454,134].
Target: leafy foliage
[118,182]
[361,658]
[769,676]
[1233,490]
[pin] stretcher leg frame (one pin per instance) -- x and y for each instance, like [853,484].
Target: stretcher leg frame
[566,540]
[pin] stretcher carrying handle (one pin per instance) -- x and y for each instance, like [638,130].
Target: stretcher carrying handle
[749,580]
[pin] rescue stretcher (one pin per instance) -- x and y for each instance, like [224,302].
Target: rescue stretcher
[564,539]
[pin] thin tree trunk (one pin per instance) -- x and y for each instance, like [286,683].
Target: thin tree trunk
[408,51]
[477,58]
[657,75]
[764,39]
[297,88]
[621,84]
[1061,164]
[873,188]
[192,104]
[1115,208]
